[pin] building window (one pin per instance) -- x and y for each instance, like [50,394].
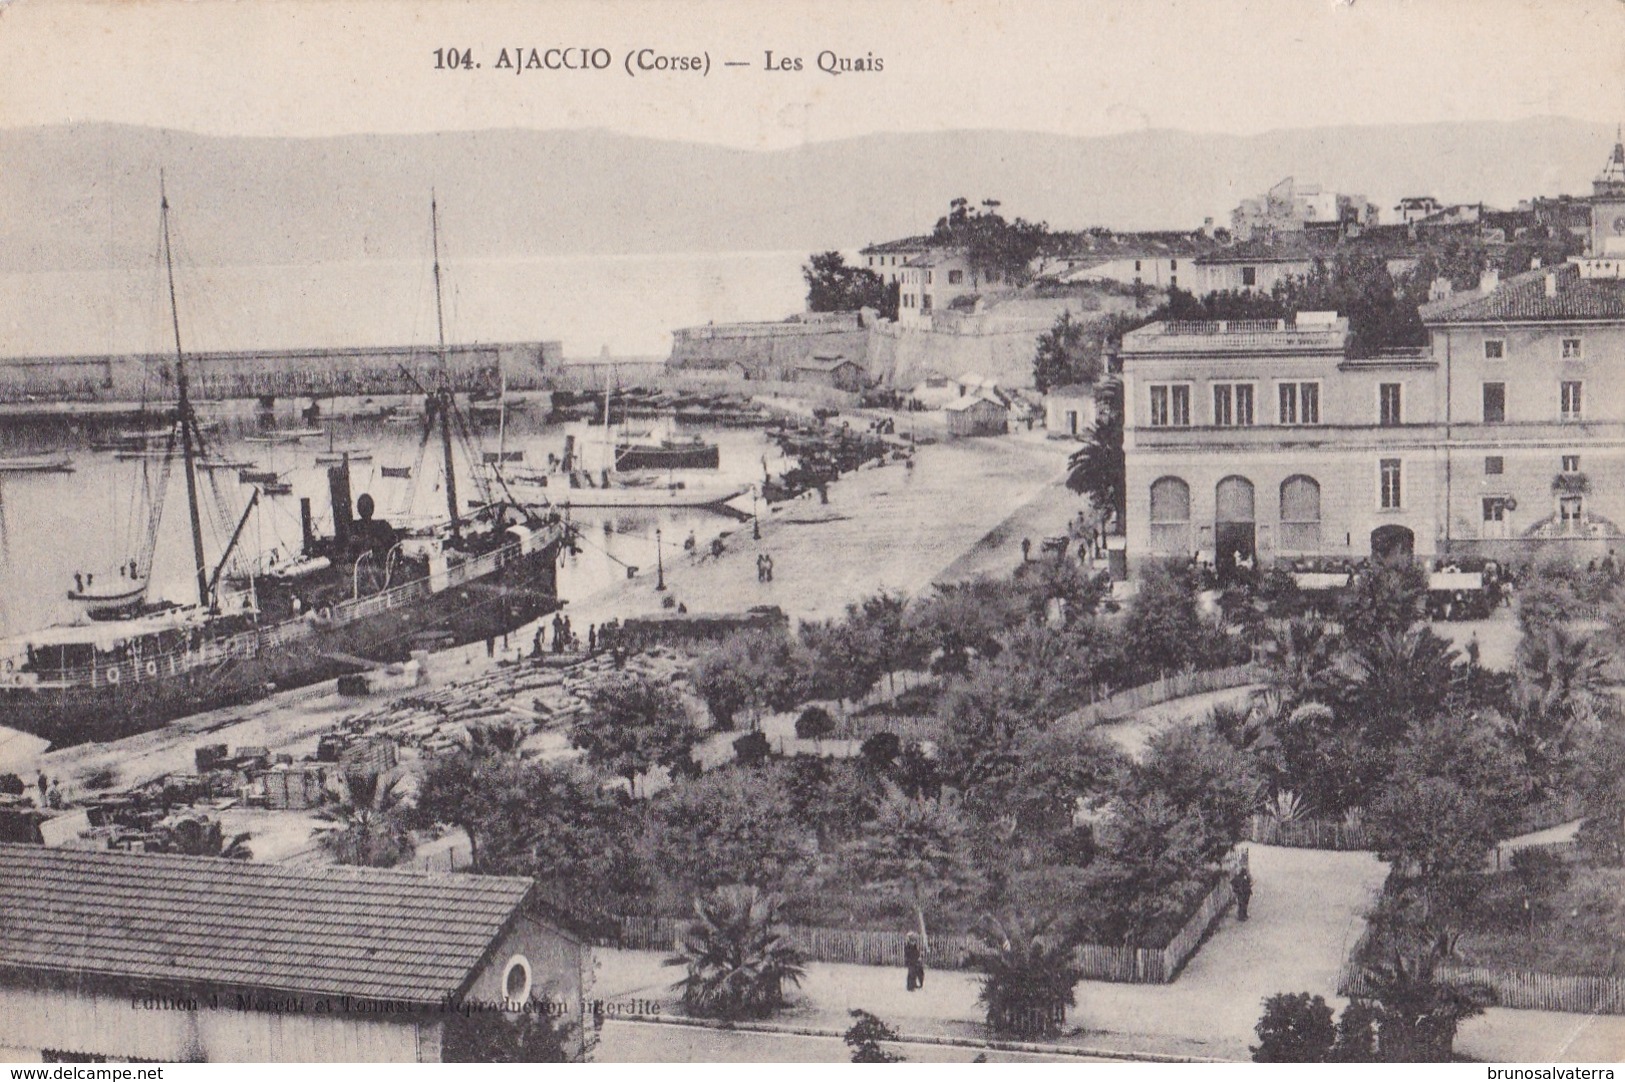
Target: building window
[1300,403]
[1494,349]
[1249,276]
[1495,517]
[1570,400]
[930,277]
[1233,404]
[1570,510]
[956,277]
[1173,281]
[1571,349]
[1136,266]
[1389,491]
[1495,403]
[1170,516]
[1388,404]
[516,979]
[925,302]
[1173,264]
[1170,405]
[1300,514]
[1571,463]
[1494,466]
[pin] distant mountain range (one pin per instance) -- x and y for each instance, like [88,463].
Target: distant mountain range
[83,197]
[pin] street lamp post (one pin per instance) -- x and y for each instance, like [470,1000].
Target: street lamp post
[660,564]
[755,517]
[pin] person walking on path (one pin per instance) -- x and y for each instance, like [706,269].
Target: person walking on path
[767,562]
[1026,549]
[1242,884]
[914,962]
[761,569]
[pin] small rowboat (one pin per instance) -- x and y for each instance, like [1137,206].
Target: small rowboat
[37,464]
[354,454]
[396,471]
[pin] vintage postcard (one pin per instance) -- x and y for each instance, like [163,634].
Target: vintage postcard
[935,531]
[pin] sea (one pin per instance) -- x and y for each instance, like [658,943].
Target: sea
[94,520]
[625,304]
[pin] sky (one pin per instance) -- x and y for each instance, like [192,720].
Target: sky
[1085,67]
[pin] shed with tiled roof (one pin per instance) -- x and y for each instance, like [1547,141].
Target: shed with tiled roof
[241,960]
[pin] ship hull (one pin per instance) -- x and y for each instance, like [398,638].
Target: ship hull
[699,457]
[516,593]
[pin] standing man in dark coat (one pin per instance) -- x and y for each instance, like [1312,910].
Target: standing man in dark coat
[1242,884]
[914,962]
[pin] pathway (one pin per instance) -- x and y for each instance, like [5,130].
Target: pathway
[1307,913]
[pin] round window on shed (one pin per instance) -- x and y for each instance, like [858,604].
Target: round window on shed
[516,979]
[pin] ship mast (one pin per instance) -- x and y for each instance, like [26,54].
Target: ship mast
[444,395]
[184,409]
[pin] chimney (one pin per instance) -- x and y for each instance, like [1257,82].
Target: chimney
[1551,283]
[1440,289]
[1534,263]
[1489,280]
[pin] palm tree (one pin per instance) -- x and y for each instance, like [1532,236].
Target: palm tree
[1029,976]
[1417,1014]
[371,817]
[1300,663]
[738,962]
[1561,673]
[1402,676]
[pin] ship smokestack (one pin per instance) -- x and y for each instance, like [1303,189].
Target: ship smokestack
[307,529]
[338,488]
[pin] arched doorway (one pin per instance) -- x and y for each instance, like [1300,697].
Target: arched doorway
[1392,543]
[1300,514]
[1170,517]
[1234,525]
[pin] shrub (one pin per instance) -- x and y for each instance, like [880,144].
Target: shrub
[814,723]
[11,785]
[881,750]
[1294,1029]
[864,1039]
[486,1036]
[752,748]
[1028,977]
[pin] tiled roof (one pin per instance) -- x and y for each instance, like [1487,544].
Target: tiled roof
[364,932]
[1102,248]
[891,247]
[1523,298]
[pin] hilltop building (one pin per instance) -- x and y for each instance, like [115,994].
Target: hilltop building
[1290,207]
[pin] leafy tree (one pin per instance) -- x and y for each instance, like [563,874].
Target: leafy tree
[1063,356]
[1194,770]
[456,786]
[12,785]
[729,826]
[1028,789]
[1042,582]
[371,820]
[914,850]
[1468,751]
[864,1037]
[836,797]
[1163,622]
[993,246]
[880,750]
[832,286]
[961,621]
[846,657]
[1560,675]
[1600,778]
[559,825]
[634,724]
[754,670]
[489,1036]
[197,837]
[1436,834]
[1151,859]
[1294,1029]
[1356,1034]
[737,959]
[1386,598]
[1029,976]
[1099,469]
[888,631]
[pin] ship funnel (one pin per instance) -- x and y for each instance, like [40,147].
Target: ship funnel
[307,530]
[338,488]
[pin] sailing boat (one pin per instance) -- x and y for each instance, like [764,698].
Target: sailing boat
[367,593]
[335,453]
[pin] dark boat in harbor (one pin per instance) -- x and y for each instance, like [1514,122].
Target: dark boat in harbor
[367,593]
[691,453]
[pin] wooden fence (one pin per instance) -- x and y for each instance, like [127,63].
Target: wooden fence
[1132,700]
[870,947]
[1307,833]
[1522,990]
